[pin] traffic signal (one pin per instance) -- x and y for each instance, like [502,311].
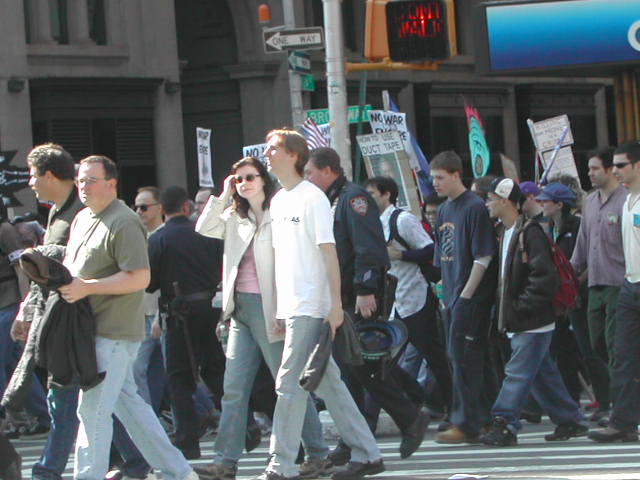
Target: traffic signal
[420,31]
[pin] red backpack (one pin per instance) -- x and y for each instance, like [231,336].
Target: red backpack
[566,297]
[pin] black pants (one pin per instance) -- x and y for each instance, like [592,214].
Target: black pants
[209,357]
[426,336]
[387,391]
[626,410]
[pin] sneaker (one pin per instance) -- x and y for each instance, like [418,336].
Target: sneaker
[340,455]
[592,406]
[357,470]
[412,437]
[610,435]
[316,467]
[499,434]
[118,474]
[565,431]
[215,471]
[269,475]
[455,435]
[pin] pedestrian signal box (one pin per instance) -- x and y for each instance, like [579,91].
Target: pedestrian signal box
[420,31]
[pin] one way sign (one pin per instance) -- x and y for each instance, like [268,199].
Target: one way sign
[310,38]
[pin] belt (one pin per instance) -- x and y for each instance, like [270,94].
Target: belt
[194,297]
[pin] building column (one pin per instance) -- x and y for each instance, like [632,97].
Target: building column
[258,96]
[171,167]
[39,22]
[78,18]
[510,134]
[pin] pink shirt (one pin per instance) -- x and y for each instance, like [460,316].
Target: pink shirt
[247,279]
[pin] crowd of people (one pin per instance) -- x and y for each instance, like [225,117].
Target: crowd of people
[127,333]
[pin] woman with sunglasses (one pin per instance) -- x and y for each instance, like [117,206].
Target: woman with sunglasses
[249,300]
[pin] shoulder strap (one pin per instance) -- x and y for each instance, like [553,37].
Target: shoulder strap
[393,229]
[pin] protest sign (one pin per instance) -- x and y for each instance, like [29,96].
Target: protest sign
[478,149]
[203,138]
[256,151]
[385,156]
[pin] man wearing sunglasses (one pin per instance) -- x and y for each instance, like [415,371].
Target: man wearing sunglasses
[623,424]
[598,255]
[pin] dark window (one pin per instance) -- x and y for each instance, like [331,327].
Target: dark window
[97,21]
[59,25]
[27,21]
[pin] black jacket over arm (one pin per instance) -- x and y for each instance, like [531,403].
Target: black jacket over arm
[529,282]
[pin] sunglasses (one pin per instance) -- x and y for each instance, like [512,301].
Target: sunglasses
[249,178]
[143,208]
[621,165]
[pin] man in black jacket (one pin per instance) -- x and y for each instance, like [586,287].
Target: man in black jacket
[363,259]
[180,257]
[528,281]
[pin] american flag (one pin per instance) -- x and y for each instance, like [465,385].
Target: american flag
[315,134]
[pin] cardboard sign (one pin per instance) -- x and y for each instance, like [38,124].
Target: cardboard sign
[385,156]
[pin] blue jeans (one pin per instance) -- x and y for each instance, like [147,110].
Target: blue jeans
[150,387]
[63,403]
[10,352]
[118,394]
[626,405]
[302,334]
[531,370]
[247,345]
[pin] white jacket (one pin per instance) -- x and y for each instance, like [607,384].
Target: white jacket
[237,234]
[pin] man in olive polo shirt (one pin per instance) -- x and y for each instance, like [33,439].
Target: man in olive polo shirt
[107,256]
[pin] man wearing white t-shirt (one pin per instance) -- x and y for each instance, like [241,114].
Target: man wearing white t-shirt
[528,280]
[308,294]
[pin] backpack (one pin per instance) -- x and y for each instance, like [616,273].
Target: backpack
[429,272]
[566,297]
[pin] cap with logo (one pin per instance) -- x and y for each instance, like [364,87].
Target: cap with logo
[507,189]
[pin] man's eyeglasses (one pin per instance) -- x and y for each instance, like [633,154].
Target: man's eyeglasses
[249,178]
[143,208]
[621,165]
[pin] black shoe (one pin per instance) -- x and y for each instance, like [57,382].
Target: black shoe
[357,470]
[253,437]
[531,417]
[412,437]
[340,455]
[499,434]
[610,434]
[565,431]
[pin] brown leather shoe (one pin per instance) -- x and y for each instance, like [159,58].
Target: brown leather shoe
[455,435]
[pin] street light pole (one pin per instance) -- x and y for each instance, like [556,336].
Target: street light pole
[295,82]
[337,83]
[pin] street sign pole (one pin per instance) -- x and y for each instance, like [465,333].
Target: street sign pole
[295,82]
[336,83]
